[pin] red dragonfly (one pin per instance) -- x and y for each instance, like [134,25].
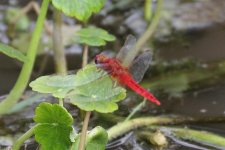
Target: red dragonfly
[118,67]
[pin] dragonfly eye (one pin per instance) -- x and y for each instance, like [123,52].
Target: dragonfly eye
[96,60]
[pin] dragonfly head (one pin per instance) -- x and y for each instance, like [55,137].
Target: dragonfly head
[100,59]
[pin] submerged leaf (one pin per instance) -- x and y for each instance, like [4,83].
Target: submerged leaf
[202,137]
[81,9]
[54,126]
[93,36]
[11,52]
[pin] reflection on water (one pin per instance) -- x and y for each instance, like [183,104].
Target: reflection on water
[205,102]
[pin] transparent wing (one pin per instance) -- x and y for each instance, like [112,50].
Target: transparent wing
[140,65]
[128,52]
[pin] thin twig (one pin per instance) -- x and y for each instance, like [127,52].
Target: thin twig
[59,53]
[136,109]
[84,131]
[23,138]
[150,30]
[85,56]
[88,113]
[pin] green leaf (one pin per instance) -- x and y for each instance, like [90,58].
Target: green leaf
[56,85]
[80,9]
[90,89]
[22,23]
[97,139]
[93,36]
[97,5]
[88,74]
[11,52]
[54,126]
[59,85]
[202,137]
[99,95]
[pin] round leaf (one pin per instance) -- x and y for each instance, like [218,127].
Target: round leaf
[90,89]
[80,9]
[54,126]
[59,85]
[93,36]
[99,95]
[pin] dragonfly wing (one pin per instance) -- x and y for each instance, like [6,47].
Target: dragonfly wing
[140,65]
[128,52]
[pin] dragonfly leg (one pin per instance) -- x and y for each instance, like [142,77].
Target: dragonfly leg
[115,83]
[99,69]
[102,65]
[102,72]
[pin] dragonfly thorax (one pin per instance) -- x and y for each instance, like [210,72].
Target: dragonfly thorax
[110,65]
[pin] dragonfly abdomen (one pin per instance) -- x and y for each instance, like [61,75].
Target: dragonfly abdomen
[140,90]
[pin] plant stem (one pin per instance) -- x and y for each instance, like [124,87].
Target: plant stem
[137,108]
[25,73]
[126,126]
[145,37]
[59,55]
[151,28]
[85,56]
[148,10]
[23,138]
[84,131]
[88,113]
